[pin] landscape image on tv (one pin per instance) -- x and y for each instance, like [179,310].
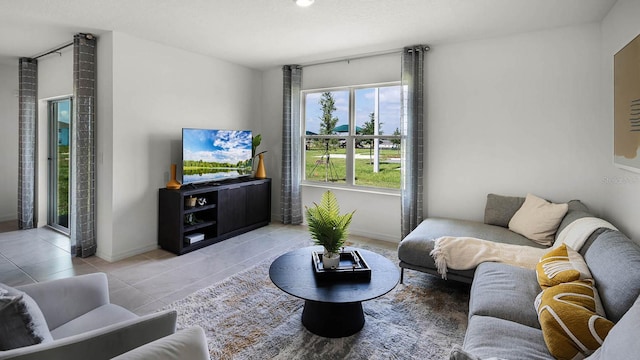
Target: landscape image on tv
[213,155]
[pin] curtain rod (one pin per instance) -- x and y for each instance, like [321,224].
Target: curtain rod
[358,57]
[349,58]
[54,50]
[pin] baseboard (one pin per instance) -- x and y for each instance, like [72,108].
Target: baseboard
[126,254]
[376,236]
[11,217]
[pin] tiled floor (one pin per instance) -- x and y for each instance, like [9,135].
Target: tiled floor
[147,282]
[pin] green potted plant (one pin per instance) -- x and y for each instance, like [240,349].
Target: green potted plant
[260,172]
[328,228]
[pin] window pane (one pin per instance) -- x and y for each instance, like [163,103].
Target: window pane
[326,112]
[390,110]
[379,167]
[325,160]
[387,113]
[377,161]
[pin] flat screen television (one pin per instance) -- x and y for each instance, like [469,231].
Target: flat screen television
[215,155]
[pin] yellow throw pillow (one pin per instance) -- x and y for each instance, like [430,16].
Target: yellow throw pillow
[571,326]
[561,265]
[538,220]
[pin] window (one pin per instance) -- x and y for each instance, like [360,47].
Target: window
[59,169]
[352,136]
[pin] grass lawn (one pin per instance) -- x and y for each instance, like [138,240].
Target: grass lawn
[387,177]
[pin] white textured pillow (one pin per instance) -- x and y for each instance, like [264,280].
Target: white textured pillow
[538,219]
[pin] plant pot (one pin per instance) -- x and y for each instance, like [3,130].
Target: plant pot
[330,260]
[261,173]
[173,183]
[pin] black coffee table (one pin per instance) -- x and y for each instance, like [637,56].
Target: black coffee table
[332,308]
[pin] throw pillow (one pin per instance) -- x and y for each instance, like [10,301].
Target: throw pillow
[21,321]
[538,219]
[571,326]
[561,265]
[500,209]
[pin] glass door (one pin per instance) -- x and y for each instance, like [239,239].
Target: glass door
[59,163]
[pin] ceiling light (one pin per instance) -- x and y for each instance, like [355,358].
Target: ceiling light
[303,3]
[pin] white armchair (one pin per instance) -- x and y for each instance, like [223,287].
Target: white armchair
[85,325]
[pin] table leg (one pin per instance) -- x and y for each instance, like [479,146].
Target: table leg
[333,320]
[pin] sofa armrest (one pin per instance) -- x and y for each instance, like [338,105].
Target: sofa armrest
[104,343]
[65,299]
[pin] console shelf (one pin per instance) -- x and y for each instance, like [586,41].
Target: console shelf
[231,208]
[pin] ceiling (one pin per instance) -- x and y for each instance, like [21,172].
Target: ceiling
[265,33]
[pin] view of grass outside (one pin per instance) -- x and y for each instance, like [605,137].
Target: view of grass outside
[388,176]
[63,182]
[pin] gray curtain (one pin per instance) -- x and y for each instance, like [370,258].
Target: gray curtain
[290,199]
[27,115]
[83,147]
[412,196]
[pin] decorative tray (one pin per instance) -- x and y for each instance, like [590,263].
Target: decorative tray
[352,267]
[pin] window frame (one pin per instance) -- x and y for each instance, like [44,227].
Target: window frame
[350,138]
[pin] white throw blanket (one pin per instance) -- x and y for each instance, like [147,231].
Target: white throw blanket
[464,253]
[577,232]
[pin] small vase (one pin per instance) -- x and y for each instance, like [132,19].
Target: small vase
[330,260]
[261,173]
[173,183]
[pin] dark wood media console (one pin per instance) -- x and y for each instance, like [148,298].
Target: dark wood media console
[230,208]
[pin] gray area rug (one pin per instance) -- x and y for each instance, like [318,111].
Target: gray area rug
[247,317]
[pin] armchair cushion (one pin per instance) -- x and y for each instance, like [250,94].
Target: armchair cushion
[95,319]
[21,321]
[59,299]
[189,343]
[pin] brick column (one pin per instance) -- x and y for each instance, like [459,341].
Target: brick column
[27,115]
[83,143]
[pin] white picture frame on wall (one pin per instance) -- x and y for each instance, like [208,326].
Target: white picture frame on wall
[626,118]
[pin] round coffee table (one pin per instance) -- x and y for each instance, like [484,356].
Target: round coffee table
[332,308]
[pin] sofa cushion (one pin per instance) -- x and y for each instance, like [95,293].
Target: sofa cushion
[414,249]
[622,341]
[488,337]
[561,265]
[189,344]
[21,321]
[500,209]
[571,324]
[614,262]
[495,282]
[95,319]
[538,219]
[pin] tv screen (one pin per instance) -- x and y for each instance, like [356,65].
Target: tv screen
[215,155]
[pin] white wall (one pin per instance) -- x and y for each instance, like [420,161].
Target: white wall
[55,80]
[157,90]
[513,115]
[377,214]
[620,188]
[9,143]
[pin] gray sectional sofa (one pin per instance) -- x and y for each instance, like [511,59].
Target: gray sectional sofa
[503,321]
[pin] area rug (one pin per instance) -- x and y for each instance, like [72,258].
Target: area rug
[247,317]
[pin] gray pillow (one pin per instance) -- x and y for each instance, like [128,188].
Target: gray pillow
[500,209]
[21,321]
